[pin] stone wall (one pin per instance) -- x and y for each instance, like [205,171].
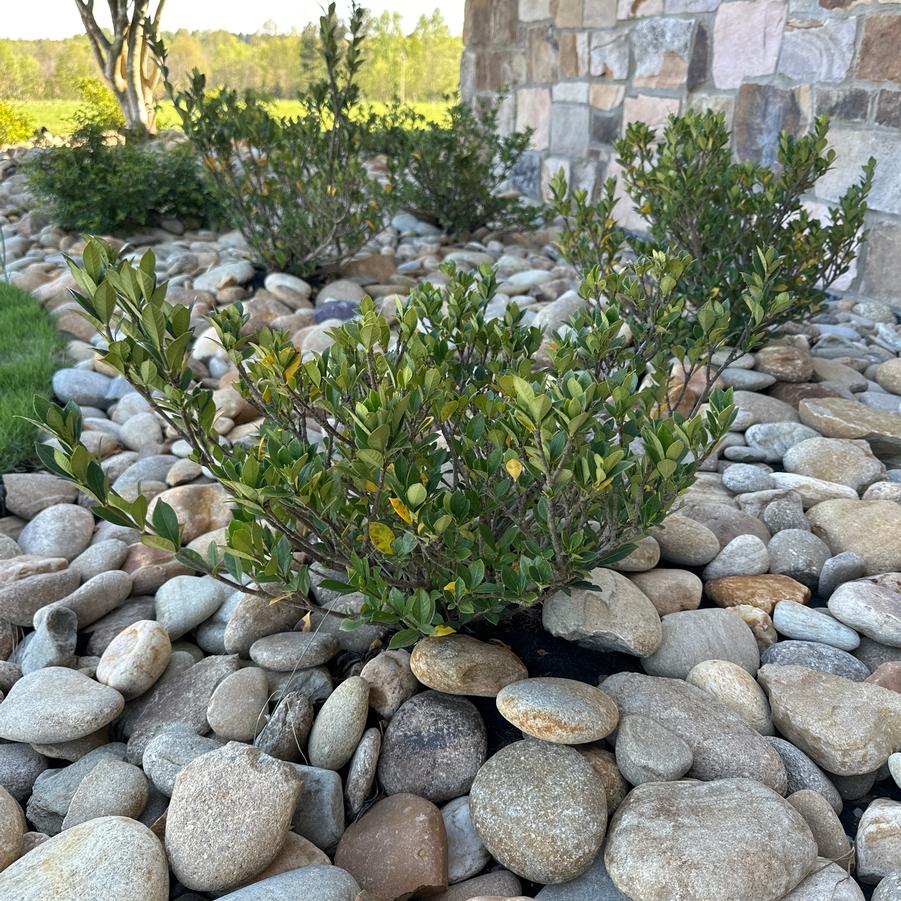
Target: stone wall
[580,70]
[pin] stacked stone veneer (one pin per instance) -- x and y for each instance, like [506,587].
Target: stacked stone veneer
[580,70]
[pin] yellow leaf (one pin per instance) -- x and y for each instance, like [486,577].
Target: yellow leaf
[307,621]
[442,630]
[371,486]
[514,468]
[292,368]
[381,537]
[451,586]
[401,510]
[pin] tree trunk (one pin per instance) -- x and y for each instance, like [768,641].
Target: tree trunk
[125,61]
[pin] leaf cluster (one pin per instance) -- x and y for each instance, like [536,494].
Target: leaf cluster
[456,468]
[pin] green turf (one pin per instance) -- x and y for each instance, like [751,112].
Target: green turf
[30,351]
[56,115]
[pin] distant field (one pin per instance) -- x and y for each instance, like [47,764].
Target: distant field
[56,115]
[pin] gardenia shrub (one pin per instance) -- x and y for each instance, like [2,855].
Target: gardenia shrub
[99,184]
[297,188]
[757,251]
[451,171]
[457,468]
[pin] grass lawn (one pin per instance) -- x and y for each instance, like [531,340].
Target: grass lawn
[30,352]
[56,115]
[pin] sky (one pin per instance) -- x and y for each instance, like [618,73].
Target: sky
[60,19]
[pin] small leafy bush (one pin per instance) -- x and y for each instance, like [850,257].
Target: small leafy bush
[297,188]
[450,171]
[759,257]
[98,108]
[450,474]
[15,126]
[96,186]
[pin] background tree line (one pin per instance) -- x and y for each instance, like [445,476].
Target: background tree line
[422,65]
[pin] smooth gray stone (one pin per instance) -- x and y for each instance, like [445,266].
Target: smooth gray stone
[319,815]
[794,620]
[844,567]
[594,885]
[815,655]
[20,766]
[804,773]
[316,883]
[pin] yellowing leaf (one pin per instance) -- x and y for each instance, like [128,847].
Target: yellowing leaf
[381,537]
[292,368]
[514,468]
[451,586]
[401,510]
[307,621]
[442,630]
[371,486]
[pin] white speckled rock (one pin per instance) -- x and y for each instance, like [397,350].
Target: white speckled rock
[63,530]
[745,555]
[135,658]
[239,705]
[564,711]
[879,840]
[230,812]
[737,689]
[112,788]
[104,859]
[339,726]
[649,752]
[616,616]
[732,838]
[186,601]
[872,610]
[56,704]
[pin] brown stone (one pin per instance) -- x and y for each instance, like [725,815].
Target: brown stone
[397,849]
[573,54]
[567,13]
[788,364]
[463,665]
[604,764]
[794,392]
[544,54]
[670,590]
[198,508]
[878,58]
[888,675]
[846,104]
[763,592]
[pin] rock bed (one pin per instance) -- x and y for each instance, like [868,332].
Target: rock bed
[720,717]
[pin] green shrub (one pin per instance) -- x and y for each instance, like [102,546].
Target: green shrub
[450,171]
[98,110]
[94,186]
[758,255]
[297,188]
[15,126]
[449,474]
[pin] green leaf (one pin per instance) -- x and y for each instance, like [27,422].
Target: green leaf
[404,639]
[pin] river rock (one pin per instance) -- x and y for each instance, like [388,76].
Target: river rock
[54,788]
[798,554]
[112,788]
[695,635]
[794,620]
[28,493]
[826,880]
[837,417]
[871,529]
[63,530]
[361,771]
[558,710]
[100,558]
[817,656]
[135,658]
[803,773]
[285,733]
[319,815]
[540,810]
[462,665]
[256,617]
[733,838]
[104,859]
[686,542]
[613,616]
[339,726]
[736,689]
[171,751]
[889,889]
[52,643]
[12,829]
[56,704]
[823,822]
[466,855]
[649,752]
[20,766]
[287,651]
[670,590]
[763,591]
[745,555]
[397,849]
[879,840]
[604,764]
[433,747]
[848,728]
[723,745]
[239,704]
[230,812]
[22,598]
[872,610]
[184,602]
[391,681]
[834,460]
